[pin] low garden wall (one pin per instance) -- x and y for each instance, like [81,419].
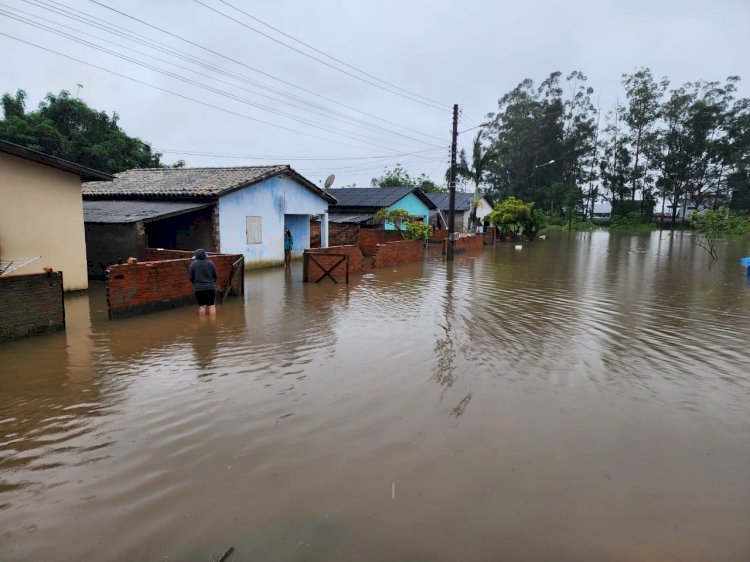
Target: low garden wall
[161,284]
[31,304]
[394,253]
[473,242]
[313,271]
[369,238]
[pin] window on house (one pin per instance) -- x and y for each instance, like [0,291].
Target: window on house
[253,230]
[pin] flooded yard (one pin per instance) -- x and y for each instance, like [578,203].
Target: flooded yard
[586,398]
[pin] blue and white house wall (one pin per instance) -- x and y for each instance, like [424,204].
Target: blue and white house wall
[252,220]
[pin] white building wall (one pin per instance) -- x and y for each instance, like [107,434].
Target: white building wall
[270,200]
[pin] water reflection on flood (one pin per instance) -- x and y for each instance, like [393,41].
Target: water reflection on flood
[586,398]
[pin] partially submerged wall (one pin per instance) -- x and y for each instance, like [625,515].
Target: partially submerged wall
[31,304]
[315,259]
[369,238]
[394,253]
[473,242]
[150,286]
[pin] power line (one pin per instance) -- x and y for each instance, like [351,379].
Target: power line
[355,137]
[151,44]
[277,157]
[277,30]
[206,104]
[235,61]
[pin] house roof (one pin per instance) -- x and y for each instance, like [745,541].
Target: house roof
[464,201]
[350,218]
[192,183]
[122,212]
[86,174]
[375,197]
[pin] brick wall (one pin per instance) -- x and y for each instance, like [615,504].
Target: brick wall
[31,304]
[394,253]
[339,234]
[160,254]
[312,271]
[472,242]
[148,286]
[439,235]
[369,238]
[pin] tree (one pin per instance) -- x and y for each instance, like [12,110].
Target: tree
[641,116]
[711,225]
[68,128]
[399,177]
[481,157]
[535,126]
[394,216]
[513,216]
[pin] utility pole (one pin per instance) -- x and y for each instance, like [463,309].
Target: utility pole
[452,188]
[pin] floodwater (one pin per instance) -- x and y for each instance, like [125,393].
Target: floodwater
[585,398]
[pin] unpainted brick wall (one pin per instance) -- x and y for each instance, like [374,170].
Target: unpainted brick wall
[312,271]
[339,234]
[394,253]
[161,254]
[438,235]
[31,304]
[158,285]
[369,238]
[472,242]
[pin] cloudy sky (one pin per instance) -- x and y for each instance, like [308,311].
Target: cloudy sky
[213,90]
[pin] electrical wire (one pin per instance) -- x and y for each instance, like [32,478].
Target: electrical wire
[190,58]
[442,104]
[233,60]
[359,138]
[431,104]
[177,94]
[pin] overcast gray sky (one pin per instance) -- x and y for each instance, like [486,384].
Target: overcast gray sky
[469,53]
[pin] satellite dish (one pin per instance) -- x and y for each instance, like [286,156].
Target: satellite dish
[329,181]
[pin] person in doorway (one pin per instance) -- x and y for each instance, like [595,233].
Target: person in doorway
[288,245]
[203,277]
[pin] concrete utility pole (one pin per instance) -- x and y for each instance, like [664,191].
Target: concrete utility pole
[452,187]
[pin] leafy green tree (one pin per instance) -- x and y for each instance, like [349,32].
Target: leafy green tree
[416,230]
[399,177]
[513,216]
[397,217]
[66,127]
[711,225]
[641,115]
[481,158]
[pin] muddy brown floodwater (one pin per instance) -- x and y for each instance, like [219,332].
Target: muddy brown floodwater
[581,399]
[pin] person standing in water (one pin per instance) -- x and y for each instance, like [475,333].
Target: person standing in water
[203,277]
[288,245]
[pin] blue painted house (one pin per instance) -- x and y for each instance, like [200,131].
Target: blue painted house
[359,204]
[239,210]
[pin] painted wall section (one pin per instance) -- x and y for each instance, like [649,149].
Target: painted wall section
[483,208]
[270,199]
[413,205]
[41,214]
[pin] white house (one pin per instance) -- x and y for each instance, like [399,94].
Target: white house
[239,210]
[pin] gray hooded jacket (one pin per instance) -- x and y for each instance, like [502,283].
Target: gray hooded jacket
[203,272]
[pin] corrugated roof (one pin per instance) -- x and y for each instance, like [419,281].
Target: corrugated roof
[374,197]
[87,174]
[464,201]
[349,218]
[188,183]
[120,211]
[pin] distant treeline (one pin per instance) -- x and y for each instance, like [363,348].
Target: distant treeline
[550,144]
